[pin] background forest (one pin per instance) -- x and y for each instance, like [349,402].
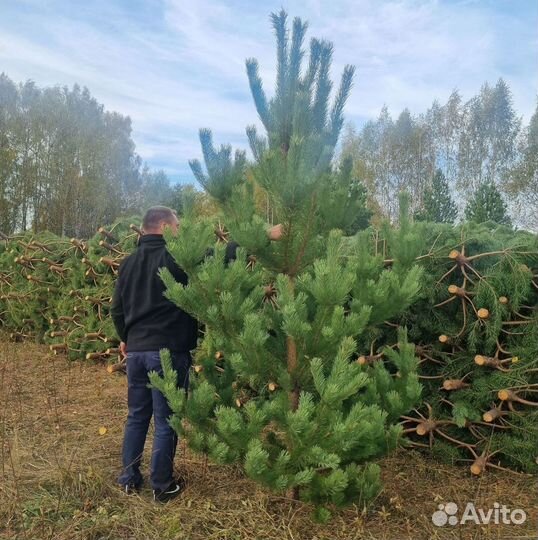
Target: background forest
[67,165]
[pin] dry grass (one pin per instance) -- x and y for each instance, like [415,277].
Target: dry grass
[58,476]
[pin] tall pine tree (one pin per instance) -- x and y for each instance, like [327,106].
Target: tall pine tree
[487,204]
[438,205]
[280,384]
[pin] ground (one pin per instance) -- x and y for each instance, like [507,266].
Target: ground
[58,476]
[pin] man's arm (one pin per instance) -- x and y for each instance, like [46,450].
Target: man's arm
[274,233]
[178,273]
[116,311]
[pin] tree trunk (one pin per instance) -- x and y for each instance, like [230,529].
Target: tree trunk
[293,493]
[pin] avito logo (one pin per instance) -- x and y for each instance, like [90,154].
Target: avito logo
[448,514]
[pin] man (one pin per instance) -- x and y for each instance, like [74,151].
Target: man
[146,321]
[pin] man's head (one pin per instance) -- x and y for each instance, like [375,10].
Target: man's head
[157,218]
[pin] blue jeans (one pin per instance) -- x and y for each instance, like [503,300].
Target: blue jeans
[144,402]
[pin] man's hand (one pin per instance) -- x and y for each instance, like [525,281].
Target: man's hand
[275,232]
[123,349]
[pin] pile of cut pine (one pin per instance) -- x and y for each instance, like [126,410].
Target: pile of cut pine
[475,326]
[59,291]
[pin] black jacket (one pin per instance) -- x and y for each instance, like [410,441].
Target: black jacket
[144,319]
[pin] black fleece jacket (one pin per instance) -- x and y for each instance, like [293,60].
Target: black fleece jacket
[144,319]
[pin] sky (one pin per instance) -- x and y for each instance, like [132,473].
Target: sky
[175,66]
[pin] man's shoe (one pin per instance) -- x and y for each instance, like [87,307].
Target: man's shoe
[172,491]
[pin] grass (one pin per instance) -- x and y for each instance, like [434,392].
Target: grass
[58,476]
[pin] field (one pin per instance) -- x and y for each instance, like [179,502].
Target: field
[58,476]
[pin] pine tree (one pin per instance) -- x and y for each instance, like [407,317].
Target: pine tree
[278,385]
[487,204]
[438,205]
[358,193]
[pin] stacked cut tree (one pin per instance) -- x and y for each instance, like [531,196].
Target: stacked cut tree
[476,334]
[59,291]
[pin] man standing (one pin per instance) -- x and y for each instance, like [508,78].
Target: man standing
[146,322]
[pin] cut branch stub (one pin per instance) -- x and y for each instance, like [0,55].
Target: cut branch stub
[136,229]
[106,233]
[58,269]
[109,262]
[95,355]
[511,396]
[78,244]
[426,427]
[112,368]
[479,465]
[457,291]
[506,395]
[458,257]
[493,414]
[488,361]
[94,335]
[454,384]
[366,360]
[110,247]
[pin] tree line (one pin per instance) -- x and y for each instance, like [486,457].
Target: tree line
[451,159]
[68,165]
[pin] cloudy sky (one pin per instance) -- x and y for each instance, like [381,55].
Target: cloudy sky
[174,66]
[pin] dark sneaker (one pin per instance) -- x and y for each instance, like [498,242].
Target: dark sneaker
[172,491]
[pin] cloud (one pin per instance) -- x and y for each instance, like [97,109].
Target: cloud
[174,66]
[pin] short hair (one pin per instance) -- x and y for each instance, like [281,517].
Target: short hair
[155,215]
